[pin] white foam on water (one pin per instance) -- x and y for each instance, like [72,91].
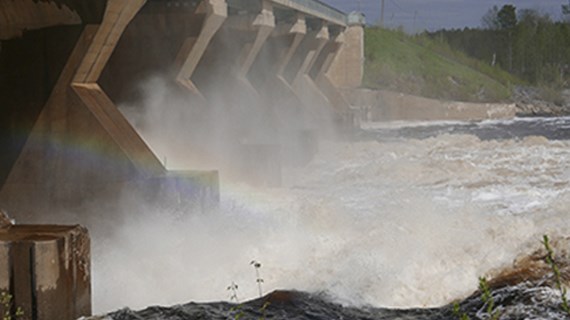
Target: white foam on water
[398,224]
[397,124]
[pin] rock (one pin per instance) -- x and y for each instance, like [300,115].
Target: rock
[529,102]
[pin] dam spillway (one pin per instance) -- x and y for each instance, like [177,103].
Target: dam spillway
[237,81]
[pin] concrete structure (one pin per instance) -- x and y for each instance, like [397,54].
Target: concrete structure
[46,270]
[256,74]
[381,105]
[348,69]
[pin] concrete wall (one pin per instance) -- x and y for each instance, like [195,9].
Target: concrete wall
[47,271]
[379,105]
[348,68]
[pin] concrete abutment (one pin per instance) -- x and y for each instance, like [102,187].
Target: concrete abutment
[45,269]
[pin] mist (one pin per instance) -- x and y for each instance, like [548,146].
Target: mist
[365,234]
[249,128]
[409,223]
[403,223]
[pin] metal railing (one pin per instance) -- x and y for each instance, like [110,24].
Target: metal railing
[322,8]
[318,7]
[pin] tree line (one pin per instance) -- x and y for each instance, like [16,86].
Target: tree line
[527,43]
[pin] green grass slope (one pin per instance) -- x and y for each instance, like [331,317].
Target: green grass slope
[421,66]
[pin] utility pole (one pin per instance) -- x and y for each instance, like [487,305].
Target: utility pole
[414,25]
[382,13]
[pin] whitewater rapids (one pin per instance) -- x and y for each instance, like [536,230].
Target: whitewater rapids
[380,222]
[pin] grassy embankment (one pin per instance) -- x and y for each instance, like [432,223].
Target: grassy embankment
[421,66]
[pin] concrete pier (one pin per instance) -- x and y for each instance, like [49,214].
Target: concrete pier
[193,48]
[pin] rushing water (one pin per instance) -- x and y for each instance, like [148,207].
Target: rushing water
[551,128]
[407,216]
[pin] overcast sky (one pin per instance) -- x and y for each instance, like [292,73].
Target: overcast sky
[438,14]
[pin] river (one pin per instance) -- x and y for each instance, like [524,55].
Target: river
[408,215]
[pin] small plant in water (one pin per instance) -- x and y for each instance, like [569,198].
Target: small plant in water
[487,298]
[556,270]
[233,288]
[458,313]
[259,280]
[264,309]
[236,312]
[6,306]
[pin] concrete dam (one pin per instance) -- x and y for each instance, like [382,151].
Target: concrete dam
[154,100]
[92,91]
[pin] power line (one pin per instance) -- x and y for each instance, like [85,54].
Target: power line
[382,6]
[413,18]
[399,7]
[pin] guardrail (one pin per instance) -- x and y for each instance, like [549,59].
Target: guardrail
[323,8]
[316,8]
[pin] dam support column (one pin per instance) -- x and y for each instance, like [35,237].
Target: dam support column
[299,143]
[193,49]
[345,118]
[306,89]
[264,23]
[257,150]
[261,25]
[85,83]
[346,70]
[285,99]
[298,30]
[54,169]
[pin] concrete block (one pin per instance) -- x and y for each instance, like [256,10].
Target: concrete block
[47,270]
[183,191]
